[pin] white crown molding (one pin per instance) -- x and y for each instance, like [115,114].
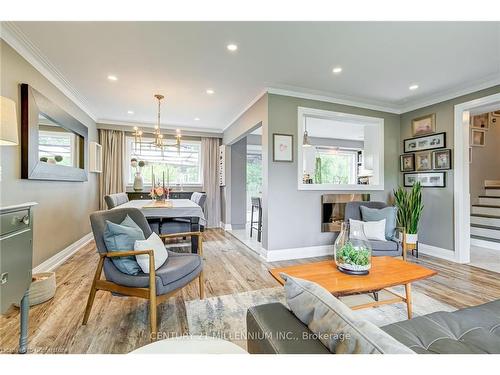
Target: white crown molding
[324,97]
[247,107]
[13,36]
[125,125]
[466,89]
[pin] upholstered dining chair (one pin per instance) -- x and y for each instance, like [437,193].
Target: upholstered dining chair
[178,271]
[114,200]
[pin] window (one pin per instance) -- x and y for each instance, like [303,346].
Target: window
[59,146]
[336,166]
[254,173]
[181,166]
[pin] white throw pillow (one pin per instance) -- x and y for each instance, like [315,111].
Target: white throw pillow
[154,243]
[374,230]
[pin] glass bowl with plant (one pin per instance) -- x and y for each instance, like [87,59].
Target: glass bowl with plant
[352,251]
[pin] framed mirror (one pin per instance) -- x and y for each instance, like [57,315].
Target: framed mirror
[53,143]
[339,151]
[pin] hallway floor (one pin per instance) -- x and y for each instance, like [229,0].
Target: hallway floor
[487,259]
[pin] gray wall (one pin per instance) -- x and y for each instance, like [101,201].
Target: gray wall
[294,217]
[437,224]
[62,214]
[238,184]
[485,163]
[251,119]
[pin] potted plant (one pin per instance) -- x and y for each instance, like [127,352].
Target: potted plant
[138,180]
[410,206]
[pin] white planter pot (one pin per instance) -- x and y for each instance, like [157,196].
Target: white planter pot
[411,238]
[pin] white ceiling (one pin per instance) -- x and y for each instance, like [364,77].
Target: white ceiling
[182,59]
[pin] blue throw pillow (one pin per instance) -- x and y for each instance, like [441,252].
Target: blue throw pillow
[387,213]
[122,237]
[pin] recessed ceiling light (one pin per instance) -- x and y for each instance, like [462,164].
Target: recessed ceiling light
[413,87]
[210,92]
[337,70]
[112,78]
[232,47]
[130,112]
[196,119]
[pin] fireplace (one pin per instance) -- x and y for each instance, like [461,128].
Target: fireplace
[333,209]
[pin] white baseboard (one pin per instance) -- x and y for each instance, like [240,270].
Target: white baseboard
[225,226]
[487,244]
[437,252]
[296,253]
[54,261]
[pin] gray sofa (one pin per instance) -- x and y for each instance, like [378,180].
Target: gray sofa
[273,329]
[379,248]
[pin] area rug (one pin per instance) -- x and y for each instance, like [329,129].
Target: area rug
[225,316]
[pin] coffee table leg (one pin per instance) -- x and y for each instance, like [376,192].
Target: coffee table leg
[408,300]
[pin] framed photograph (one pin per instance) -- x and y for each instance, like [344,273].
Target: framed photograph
[428,179]
[407,163]
[423,125]
[441,159]
[426,142]
[283,147]
[477,137]
[423,161]
[481,121]
[494,118]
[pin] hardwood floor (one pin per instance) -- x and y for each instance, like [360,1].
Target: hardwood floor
[120,324]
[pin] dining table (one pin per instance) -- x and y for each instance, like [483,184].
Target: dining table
[171,209]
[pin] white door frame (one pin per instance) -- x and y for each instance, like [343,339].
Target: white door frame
[461,175]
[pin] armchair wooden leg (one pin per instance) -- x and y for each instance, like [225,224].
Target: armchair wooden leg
[93,291]
[202,285]
[152,298]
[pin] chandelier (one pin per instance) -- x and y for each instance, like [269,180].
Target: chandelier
[159,141]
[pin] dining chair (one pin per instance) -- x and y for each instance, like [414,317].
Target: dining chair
[177,272]
[256,205]
[114,200]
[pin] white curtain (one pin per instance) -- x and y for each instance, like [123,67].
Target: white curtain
[210,157]
[112,179]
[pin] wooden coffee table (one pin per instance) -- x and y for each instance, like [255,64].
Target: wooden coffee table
[385,272]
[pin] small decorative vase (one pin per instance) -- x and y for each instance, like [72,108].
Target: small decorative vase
[352,251]
[138,182]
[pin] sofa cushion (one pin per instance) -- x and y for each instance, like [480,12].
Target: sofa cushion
[334,323]
[387,213]
[471,330]
[122,237]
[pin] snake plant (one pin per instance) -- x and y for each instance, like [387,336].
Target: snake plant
[410,206]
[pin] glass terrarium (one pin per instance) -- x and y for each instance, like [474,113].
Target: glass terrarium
[352,250]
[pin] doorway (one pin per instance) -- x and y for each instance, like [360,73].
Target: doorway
[462,183]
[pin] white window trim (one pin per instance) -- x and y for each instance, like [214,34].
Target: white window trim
[303,112]
[128,156]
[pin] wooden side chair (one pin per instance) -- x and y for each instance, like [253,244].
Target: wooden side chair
[178,271]
[256,205]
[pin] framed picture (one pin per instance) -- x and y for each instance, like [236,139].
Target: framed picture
[477,137]
[426,142]
[481,121]
[283,147]
[407,163]
[441,159]
[494,118]
[423,125]
[428,179]
[423,161]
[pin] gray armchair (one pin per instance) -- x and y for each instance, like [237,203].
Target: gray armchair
[114,200]
[379,248]
[157,286]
